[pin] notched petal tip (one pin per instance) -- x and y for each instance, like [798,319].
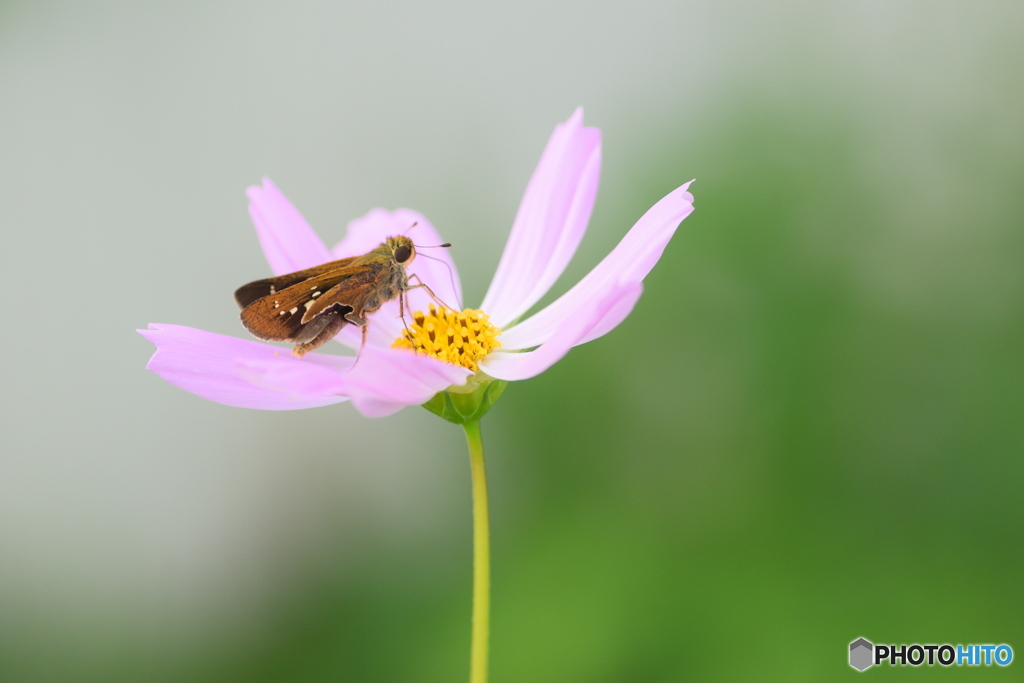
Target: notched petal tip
[685,193]
[266,185]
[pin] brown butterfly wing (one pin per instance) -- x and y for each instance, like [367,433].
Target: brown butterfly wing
[355,292]
[282,316]
[247,294]
[346,302]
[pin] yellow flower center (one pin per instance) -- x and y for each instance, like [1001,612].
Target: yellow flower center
[460,338]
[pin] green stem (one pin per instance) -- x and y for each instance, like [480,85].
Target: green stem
[481,556]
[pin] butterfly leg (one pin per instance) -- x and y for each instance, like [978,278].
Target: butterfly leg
[429,291]
[363,325]
[359,354]
[403,303]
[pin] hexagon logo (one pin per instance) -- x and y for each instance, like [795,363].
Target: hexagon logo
[861,652]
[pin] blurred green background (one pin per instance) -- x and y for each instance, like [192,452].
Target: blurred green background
[808,431]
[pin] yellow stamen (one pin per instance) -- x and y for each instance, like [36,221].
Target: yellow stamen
[460,338]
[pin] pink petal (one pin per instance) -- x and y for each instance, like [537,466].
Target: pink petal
[287,240]
[243,373]
[385,380]
[630,261]
[250,374]
[432,266]
[550,223]
[596,317]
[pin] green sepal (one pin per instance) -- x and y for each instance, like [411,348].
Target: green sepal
[462,407]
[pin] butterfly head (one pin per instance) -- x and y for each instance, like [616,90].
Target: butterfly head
[402,249]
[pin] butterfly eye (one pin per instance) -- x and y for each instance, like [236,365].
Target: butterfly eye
[402,254]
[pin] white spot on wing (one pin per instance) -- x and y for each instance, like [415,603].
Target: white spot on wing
[294,310]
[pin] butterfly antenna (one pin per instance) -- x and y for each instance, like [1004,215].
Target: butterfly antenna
[410,228]
[451,275]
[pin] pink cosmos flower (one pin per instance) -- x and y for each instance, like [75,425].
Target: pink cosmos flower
[547,230]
